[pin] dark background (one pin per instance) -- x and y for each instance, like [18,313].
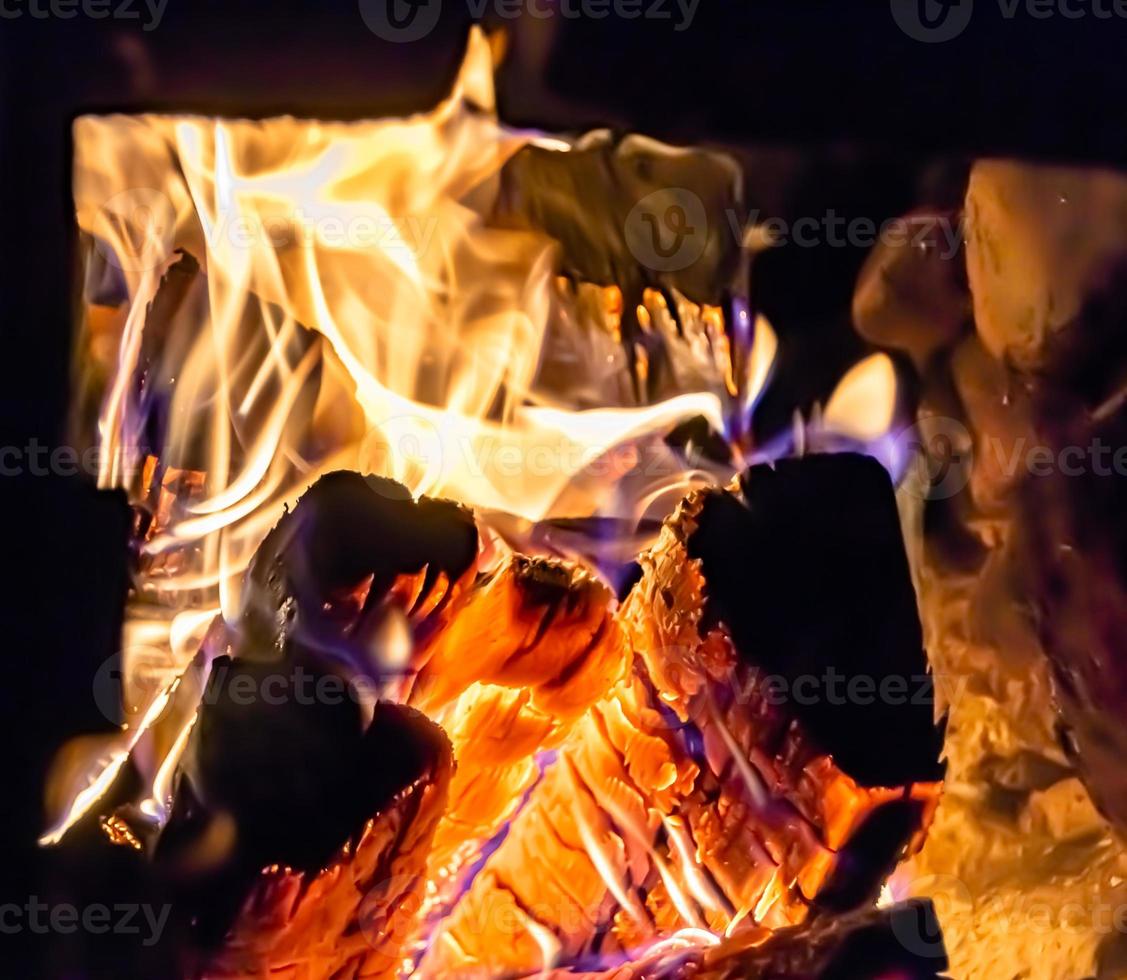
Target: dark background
[868,108]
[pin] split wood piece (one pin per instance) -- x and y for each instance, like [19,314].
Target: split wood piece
[352,918]
[578,851]
[674,804]
[1043,241]
[324,578]
[911,293]
[522,656]
[903,941]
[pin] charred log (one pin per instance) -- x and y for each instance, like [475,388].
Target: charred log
[904,941]
[687,797]
[350,914]
[805,567]
[319,578]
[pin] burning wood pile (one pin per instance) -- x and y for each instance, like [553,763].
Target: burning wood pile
[559,780]
[659,707]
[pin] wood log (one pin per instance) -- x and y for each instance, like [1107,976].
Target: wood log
[1041,242]
[522,657]
[353,916]
[903,941]
[324,576]
[687,798]
[1072,531]
[911,292]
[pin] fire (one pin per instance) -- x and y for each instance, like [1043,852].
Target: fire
[296,297]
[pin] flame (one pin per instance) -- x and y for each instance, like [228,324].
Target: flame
[302,296]
[863,403]
[347,263]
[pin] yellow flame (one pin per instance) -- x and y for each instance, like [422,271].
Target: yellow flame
[864,402]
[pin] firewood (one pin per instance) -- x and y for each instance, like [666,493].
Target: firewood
[541,625]
[353,916]
[803,565]
[903,941]
[522,656]
[687,797]
[911,293]
[1041,241]
[290,766]
[323,576]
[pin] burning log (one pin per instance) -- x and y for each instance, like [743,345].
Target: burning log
[730,646]
[520,655]
[303,811]
[544,644]
[903,942]
[537,624]
[523,655]
[676,803]
[353,549]
[754,562]
[552,889]
[353,916]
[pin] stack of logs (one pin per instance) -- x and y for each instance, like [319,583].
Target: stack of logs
[542,780]
[1020,338]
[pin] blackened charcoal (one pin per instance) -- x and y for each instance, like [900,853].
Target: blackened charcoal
[294,780]
[282,766]
[862,865]
[697,440]
[807,569]
[345,528]
[904,942]
[271,748]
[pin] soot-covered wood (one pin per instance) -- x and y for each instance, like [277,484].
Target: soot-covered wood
[904,941]
[282,745]
[345,528]
[807,570]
